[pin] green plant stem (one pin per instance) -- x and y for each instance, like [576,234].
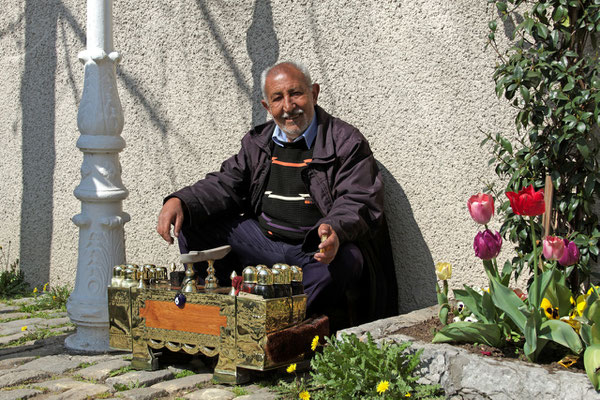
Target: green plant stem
[535,259]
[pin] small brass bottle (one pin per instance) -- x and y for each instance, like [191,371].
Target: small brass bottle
[130,275]
[117,276]
[279,286]
[297,286]
[250,278]
[264,285]
[286,272]
[161,278]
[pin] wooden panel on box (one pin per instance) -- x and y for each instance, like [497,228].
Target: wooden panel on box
[195,318]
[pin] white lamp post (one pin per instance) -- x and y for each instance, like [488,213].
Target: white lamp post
[101,191]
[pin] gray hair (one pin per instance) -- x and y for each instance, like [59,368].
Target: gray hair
[297,65]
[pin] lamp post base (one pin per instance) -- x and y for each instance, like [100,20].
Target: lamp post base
[89,339]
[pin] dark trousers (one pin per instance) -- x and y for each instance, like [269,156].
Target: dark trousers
[325,285]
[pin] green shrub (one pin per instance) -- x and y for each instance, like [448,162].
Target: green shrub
[12,280]
[353,369]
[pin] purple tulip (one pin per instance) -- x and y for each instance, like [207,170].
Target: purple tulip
[570,255]
[487,245]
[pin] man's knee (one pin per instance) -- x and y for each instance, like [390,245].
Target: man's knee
[348,264]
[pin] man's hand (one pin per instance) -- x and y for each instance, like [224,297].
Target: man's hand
[329,247]
[171,214]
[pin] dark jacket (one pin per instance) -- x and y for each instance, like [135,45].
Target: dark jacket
[343,180]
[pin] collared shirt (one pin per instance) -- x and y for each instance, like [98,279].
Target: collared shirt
[309,134]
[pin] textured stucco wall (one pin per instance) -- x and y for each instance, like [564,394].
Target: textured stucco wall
[413,75]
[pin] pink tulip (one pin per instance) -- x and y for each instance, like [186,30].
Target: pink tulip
[481,208]
[553,248]
[487,245]
[570,255]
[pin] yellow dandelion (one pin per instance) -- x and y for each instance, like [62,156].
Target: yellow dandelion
[304,395]
[291,368]
[382,386]
[315,343]
[34,290]
[53,297]
[407,395]
[23,328]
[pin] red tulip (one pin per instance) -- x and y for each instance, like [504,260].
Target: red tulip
[481,208]
[487,245]
[553,248]
[570,255]
[527,201]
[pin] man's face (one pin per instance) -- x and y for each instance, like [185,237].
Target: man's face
[290,100]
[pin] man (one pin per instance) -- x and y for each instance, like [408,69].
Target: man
[305,190]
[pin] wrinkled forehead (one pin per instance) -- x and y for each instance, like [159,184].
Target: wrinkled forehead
[286,74]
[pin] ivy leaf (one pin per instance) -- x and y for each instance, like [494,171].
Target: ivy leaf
[542,30]
[501,6]
[559,13]
[518,73]
[589,186]
[581,127]
[568,86]
[583,148]
[524,93]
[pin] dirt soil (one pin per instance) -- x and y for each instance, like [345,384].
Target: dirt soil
[425,331]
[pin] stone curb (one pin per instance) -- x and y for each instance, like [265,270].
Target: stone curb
[470,376]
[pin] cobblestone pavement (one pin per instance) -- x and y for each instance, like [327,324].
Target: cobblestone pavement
[35,365]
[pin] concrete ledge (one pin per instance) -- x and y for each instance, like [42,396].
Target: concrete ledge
[464,375]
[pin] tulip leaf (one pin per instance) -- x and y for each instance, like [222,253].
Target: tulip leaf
[595,334]
[472,301]
[506,273]
[586,334]
[506,300]
[488,308]
[591,361]
[538,288]
[592,312]
[562,333]
[534,343]
[559,294]
[469,332]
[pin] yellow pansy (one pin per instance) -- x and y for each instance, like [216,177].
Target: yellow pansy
[578,305]
[382,386]
[304,395]
[291,368]
[315,343]
[45,287]
[443,270]
[35,290]
[551,312]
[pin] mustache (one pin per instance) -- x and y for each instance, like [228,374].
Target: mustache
[294,113]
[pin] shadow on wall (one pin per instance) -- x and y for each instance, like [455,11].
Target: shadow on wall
[263,50]
[415,271]
[37,135]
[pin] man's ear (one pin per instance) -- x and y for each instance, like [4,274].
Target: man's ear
[265,105]
[315,91]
